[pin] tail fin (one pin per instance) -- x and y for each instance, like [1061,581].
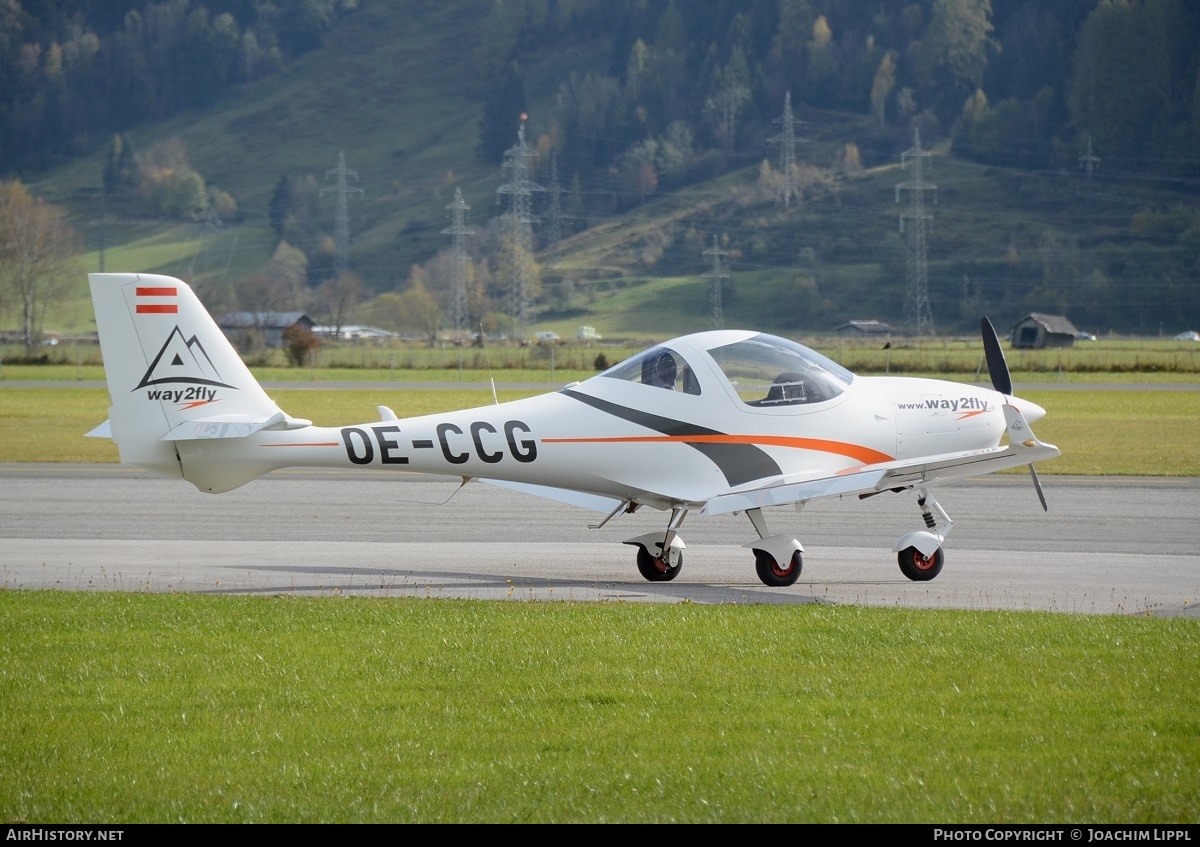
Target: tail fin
[173,377]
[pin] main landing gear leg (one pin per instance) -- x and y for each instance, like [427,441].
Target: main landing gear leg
[771,550]
[920,553]
[660,556]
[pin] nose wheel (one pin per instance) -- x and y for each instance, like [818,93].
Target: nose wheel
[917,566]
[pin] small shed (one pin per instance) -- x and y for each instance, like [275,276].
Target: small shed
[864,329]
[244,328]
[1036,331]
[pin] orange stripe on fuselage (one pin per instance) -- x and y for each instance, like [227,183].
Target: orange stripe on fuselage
[853,451]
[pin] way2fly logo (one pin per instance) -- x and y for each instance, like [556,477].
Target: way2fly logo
[182,362]
[964,407]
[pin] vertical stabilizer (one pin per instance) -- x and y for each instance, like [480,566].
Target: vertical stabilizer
[168,366]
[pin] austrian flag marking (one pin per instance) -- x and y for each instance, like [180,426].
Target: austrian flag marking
[154,305]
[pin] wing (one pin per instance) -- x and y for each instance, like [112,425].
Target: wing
[595,502]
[1023,449]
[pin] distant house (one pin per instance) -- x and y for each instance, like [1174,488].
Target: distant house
[864,329]
[1036,331]
[244,329]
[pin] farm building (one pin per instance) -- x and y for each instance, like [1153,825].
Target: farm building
[864,329]
[1036,331]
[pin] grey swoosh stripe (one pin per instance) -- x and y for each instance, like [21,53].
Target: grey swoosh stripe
[740,463]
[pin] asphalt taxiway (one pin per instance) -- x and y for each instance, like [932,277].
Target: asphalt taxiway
[1107,546]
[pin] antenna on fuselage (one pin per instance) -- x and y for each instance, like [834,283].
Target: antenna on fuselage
[488,361]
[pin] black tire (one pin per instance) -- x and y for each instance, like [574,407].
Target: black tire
[915,566]
[655,568]
[771,574]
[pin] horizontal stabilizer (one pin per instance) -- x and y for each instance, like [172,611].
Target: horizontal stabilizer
[102,431]
[231,426]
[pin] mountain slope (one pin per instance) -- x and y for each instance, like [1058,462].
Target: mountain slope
[397,88]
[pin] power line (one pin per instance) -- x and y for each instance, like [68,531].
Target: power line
[517,230]
[717,277]
[916,274]
[787,152]
[341,214]
[554,206]
[1089,161]
[458,255]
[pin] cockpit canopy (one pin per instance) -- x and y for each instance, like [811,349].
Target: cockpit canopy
[763,370]
[768,371]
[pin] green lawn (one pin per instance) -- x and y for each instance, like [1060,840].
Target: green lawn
[1140,433]
[127,708]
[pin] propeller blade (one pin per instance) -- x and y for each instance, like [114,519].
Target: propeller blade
[997,366]
[1037,485]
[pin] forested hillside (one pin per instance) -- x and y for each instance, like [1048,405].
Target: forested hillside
[1065,137]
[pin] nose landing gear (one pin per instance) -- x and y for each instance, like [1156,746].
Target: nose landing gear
[920,553]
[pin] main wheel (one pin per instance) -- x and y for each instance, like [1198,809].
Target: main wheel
[916,566]
[771,574]
[656,568]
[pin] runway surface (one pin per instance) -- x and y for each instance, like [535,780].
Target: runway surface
[1107,546]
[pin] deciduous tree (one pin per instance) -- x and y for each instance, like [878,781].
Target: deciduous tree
[418,309]
[959,41]
[36,250]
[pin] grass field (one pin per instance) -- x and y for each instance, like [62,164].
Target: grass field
[1102,431]
[128,708]
[1137,360]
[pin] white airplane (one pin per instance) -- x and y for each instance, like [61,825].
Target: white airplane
[715,422]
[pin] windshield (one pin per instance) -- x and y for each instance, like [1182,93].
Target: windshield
[767,371]
[658,367]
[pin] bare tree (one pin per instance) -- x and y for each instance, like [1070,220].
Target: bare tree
[339,297]
[36,250]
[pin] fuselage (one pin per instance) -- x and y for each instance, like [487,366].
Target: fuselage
[631,439]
